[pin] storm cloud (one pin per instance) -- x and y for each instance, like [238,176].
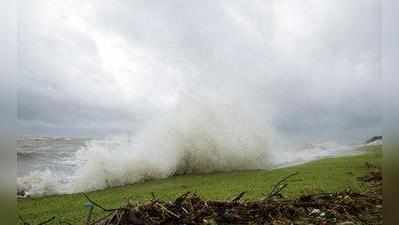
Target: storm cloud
[96,67]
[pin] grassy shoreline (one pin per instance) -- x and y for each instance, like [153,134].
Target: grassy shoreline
[325,175]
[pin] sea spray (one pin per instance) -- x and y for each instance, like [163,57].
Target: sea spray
[39,183]
[195,137]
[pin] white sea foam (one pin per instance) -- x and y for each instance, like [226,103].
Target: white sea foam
[39,183]
[196,139]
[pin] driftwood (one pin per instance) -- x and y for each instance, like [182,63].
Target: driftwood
[323,208]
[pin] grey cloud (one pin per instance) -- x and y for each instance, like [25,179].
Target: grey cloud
[316,65]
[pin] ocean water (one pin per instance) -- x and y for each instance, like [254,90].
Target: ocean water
[48,166]
[40,153]
[44,164]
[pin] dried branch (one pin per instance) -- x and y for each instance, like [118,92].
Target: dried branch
[239,196]
[279,186]
[167,210]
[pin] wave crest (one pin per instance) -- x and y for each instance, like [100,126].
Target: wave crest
[198,139]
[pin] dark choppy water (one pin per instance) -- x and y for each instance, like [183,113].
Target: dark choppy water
[41,153]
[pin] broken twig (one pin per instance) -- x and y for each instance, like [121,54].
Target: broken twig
[239,197]
[279,187]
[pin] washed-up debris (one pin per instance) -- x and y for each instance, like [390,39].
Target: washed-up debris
[317,209]
[324,208]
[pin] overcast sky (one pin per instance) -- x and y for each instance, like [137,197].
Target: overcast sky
[97,67]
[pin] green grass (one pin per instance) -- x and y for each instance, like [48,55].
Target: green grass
[326,175]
